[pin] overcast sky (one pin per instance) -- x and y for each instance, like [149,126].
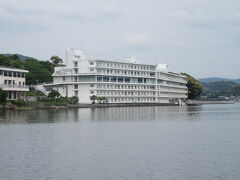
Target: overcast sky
[200,37]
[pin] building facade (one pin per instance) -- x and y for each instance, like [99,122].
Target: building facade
[13,81]
[119,81]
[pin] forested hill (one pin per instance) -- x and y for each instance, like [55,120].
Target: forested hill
[39,71]
[220,88]
[19,56]
[216,79]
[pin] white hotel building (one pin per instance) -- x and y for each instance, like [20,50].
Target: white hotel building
[120,81]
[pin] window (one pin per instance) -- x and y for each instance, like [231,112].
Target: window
[152,74]
[99,79]
[120,79]
[49,88]
[75,93]
[1,72]
[75,64]
[127,80]
[63,78]
[91,92]
[91,63]
[140,80]
[113,79]
[105,79]
[76,56]
[75,86]
[91,70]
[91,85]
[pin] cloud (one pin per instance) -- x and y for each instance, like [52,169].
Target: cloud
[188,34]
[136,39]
[111,10]
[47,14]
[201,18]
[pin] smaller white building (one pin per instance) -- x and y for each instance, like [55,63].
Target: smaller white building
[13,81]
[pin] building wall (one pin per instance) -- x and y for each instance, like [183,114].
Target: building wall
[84,93]
[120,82]
[13,81]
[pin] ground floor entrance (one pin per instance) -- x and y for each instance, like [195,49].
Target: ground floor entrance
[14,95]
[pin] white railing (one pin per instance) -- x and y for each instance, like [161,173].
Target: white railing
[14,86]
[41,88]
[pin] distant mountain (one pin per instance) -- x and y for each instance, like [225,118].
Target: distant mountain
[218,86]
[213,90]
[216,79]
[20,57]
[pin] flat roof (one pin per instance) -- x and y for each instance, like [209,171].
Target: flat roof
[122,62]
[5,68]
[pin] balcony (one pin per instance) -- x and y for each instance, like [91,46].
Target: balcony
[14,87]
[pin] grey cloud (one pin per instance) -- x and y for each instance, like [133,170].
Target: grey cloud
[206,19]
[186,34]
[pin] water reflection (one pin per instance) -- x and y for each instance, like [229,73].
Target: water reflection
[197,142]
[145,113]
[102,114]
[39,116]
[2,114]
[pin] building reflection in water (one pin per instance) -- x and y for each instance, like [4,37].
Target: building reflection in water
[39,116]
[145,113]
[102,114]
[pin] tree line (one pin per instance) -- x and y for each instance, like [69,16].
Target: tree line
[220,88]
[39,71]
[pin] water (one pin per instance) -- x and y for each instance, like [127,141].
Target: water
[197,142]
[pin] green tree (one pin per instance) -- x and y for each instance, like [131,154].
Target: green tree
[39,71]
[93,98]
[100,99]
[104,100]
[73,100]
[194,87]
[3,97]
[56,60]
[54,94]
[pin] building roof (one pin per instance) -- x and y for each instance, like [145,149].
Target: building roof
[126,61]
[6,68]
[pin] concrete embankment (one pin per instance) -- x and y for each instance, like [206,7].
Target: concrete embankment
[196,102]
[15,107]
[190,102]
[119,105]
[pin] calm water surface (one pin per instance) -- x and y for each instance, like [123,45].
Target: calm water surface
[197,142]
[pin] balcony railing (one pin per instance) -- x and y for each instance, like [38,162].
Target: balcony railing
[14,86]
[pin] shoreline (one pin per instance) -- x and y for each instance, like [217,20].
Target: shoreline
[35,107]
[197,102]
